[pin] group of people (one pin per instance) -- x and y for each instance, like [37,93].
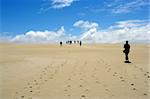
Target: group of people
[72,42]
[125,51]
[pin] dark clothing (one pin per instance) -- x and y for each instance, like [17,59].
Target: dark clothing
[126,48]
[80,43]
[60,43]
[126,56]
[126,51]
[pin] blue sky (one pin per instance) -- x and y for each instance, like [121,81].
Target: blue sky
[21,16]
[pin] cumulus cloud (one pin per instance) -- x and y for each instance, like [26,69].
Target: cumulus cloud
[57,4]
[85,24]
[89,28]
[136,31]
[132,30]
[41,36]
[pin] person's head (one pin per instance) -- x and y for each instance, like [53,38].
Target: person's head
[126,42]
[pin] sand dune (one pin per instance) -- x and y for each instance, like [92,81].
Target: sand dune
[73,72]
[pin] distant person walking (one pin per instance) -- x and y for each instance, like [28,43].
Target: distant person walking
[126,51]
[80,43]
[61,43]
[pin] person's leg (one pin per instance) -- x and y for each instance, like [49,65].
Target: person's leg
[126,56]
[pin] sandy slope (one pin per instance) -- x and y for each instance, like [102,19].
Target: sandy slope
[73,72]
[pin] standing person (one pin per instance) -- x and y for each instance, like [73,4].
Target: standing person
[126,51]
[80,43]
[70,42]
[61,43]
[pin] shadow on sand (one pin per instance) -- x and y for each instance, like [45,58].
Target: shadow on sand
[127,62]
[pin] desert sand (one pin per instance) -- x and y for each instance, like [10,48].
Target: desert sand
[34,71]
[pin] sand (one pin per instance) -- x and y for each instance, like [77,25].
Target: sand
[73,72]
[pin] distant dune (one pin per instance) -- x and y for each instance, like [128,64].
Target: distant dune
[73,72]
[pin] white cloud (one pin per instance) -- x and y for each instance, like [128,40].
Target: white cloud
[41,36]
[85,24]
[136,31]
[129,7]
[121,6]
[132,30]
[57,4]
[129,24]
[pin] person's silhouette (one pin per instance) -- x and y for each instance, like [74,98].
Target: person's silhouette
[70,42]
[126,51]
[61,43]
[80,43]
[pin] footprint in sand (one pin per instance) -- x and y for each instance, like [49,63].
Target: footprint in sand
[134,88]
[145,74]
[141,69]
[132,84]
[97,82]
[81,79]
[121,77]
[62,65]
[107,90]
[22,97]
[69,86]
[36,83]
[28,83]
[109,70]
[83,96]
[86,90]
[115,74]
[34,80]
[80,85]
[145,94]
[30,87]
[45,68]
[65,90]
[45,80]
[40,77]
[123,80]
